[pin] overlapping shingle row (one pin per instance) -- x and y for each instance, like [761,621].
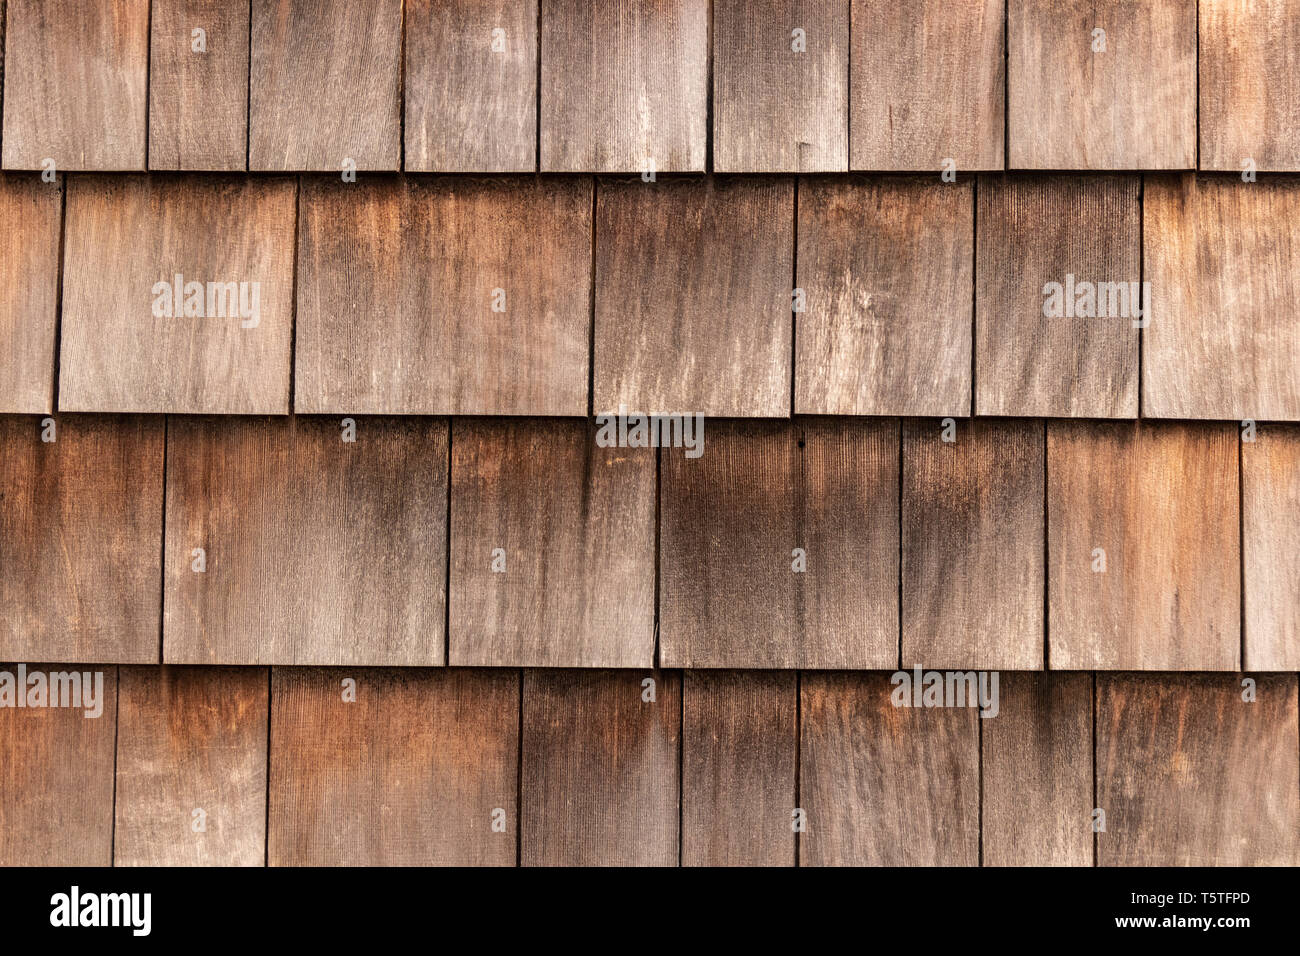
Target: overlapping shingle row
[473,767]
[1092,297]
[670,85]
[818,543]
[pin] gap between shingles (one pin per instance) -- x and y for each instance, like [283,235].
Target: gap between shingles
[681,763]
[708,97]
[1047,557]
[266,809]
[654,655]
[1095,835]
[148,79]
[117,725]
[248,99]
[58,305]
[1142,268]
[401,92]
[446,567]
[979,744]
[293,291]
[537,105]
[900,543]
[798,752]
[1241,549]
[794,284]
[519,779]
[162,561]
[591,327]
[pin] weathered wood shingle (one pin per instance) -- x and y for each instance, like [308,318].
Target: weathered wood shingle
[191,767]
[444,296]
[315,550]
[781,86]
[198,85]
[624,85]
[177,295]
[552,547]
[75,76]
[885,270]
[779,546]
[325,85]
[1101,84]
[29,291]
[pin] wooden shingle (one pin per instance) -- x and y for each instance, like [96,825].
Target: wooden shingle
[1270,501]
[56,776]
[198,85]
[29,291]
[573,581]
[325,85]
[624,85]
[927,84]
[600,768]
[126,346]
[739,740]
[884,785]
[191,767]
[972,578]
[444,296]
[1079,233]
[75,76]
[1101,84]
[693,296]
[471,85]
[885,268]
[764,500]
[80,527]
[316,550]
[781,86]
[1190,774]
[419,769]
[1155,506]
[1249,104]
[1223,260]
[1037,772]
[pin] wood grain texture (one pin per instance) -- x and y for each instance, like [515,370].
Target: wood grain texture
[885,785]
[75,76]
[1161,501]
[885,265]
[1249,104]
[779,109]
[191,738]
[1270,500]
[1191,775]
[318,551]
[1132,106]
[325,85]
[1223,259]
[624,85]
[927,84]
[29,291]
[396,288]
[409,774]
[80,527]
[1037,772]
[469,106]
[973,576]
[600,768]
[730,522]
[739,741]
[123,236]
[56,779]
[576,524]
[198,101]
[1035,230]
[693,296]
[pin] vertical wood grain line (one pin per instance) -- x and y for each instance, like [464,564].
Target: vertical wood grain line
[446,568]
[798,753]
[519,775]
[248,100]
[794,284]
[162,554]
[1095,848]
[1241,551]
[293,291]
